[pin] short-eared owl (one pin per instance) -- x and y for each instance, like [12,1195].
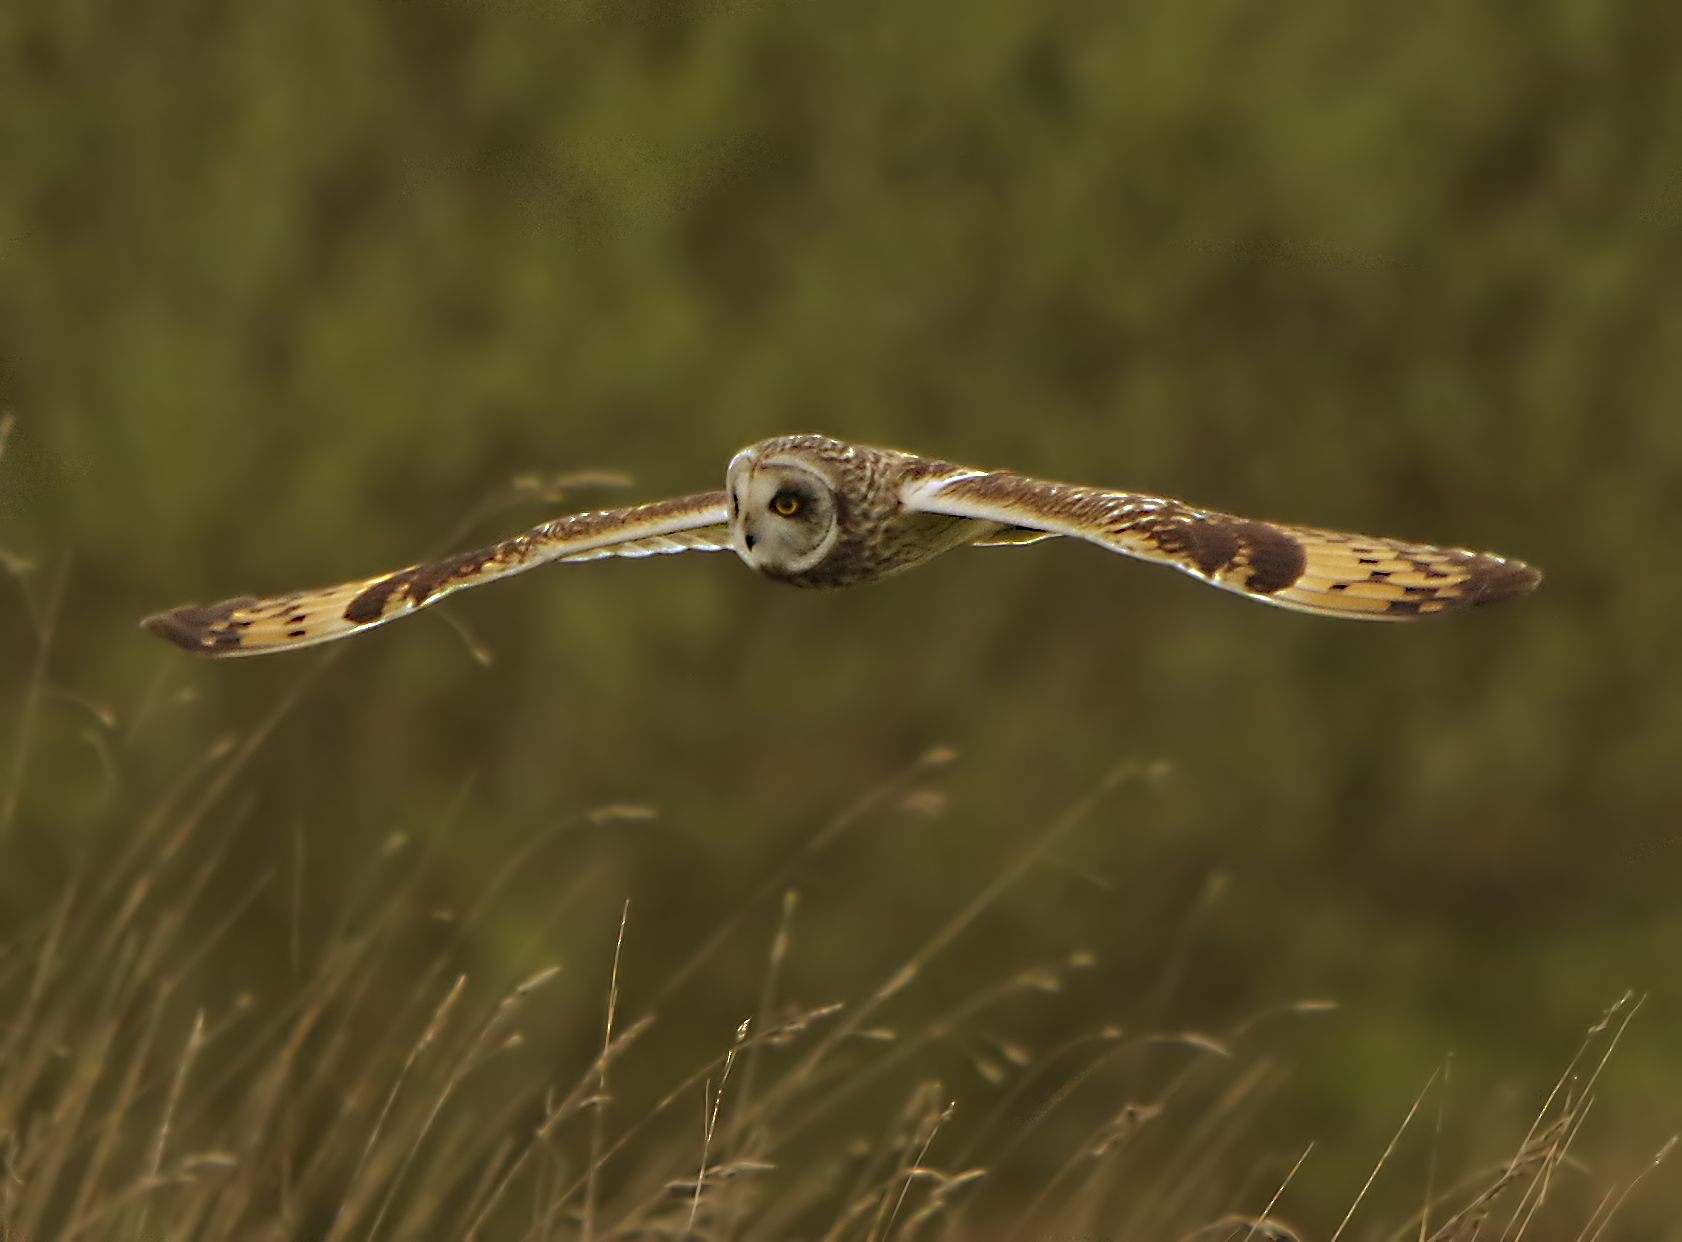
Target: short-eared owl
[816,512]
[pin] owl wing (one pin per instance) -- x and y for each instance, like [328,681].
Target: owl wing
[248,626]
[1321,571]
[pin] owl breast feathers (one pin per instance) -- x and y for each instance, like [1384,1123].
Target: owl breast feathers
[817,512]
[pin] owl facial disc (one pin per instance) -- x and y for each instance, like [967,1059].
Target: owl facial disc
[782,514]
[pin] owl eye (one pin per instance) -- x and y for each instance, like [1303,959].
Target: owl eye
[785,504]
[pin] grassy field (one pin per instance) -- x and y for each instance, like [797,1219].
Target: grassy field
[383,1084]
[302,290]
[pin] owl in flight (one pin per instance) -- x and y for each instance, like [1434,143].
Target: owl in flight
[816,512]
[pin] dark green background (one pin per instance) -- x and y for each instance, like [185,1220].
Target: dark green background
[289,287]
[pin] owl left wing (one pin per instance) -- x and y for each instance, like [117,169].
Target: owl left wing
[1320,571]
[248,626]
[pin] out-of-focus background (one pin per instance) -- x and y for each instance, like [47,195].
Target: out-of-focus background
[292,290]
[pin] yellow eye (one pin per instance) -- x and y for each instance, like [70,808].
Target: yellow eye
[785,504]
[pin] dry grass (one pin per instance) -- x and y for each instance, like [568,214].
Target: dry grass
[387,1093]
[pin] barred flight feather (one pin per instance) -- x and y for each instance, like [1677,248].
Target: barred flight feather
[250,626]
[1299,567]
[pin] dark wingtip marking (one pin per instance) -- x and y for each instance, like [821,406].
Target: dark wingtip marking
[425,579]
[202,629]
[418,584]
[1504,580]
[1272,559]
[1211,544]
[1276,559]
[370,605]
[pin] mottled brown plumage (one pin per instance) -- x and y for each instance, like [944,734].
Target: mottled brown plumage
[1298,567]
[248,626]
[817,512]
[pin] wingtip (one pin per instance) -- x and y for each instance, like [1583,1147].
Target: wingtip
[200,629]
[1507,580]
[165,626]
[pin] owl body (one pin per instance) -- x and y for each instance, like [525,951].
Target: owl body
[898,543]
[815,512]
[875,533]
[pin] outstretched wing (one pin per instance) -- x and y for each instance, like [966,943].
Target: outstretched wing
[1321,571]
[249,626]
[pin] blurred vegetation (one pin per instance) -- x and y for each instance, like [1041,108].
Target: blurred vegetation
[289,290]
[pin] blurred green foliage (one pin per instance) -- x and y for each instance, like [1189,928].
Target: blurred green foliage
[289,287]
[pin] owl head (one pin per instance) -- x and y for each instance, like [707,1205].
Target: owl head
[785,504]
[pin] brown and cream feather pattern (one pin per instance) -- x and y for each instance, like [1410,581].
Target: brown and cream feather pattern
[879,534]
[1332,573]
[816,512]
[251,626]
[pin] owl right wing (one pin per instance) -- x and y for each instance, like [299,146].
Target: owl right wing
[1331,573]
[248,626]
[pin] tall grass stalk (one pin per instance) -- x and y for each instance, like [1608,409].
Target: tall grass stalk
[385,1094]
